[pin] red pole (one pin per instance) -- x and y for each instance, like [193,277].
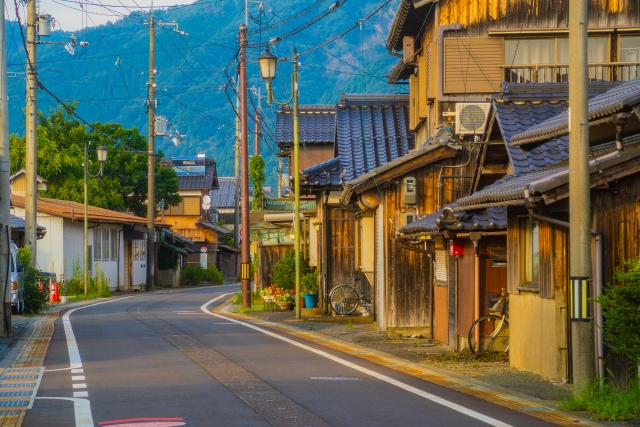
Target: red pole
[244,150]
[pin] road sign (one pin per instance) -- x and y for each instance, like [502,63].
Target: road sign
[203,249]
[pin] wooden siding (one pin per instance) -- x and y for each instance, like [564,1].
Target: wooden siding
[478,16]
[341,252]
[312,154]
[267,257]
[546,260]
[441,315]
[513,251]
[465,289]
[472,65]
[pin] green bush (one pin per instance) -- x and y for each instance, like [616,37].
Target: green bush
[607,402]
[309,282]
[283,273]
[35,301]
[167,260]
[192,276]
[97,287]
[621,311]
[213,275]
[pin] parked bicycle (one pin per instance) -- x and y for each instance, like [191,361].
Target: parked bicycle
[491,332]
[345,298]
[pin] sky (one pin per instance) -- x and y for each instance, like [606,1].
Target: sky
[70,16]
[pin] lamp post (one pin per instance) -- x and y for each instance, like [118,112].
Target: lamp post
[268,63]
[102,158]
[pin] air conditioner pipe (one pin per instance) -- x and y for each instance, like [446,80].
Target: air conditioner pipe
[597,276]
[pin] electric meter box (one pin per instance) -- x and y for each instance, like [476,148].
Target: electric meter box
[410,191]
[409,217]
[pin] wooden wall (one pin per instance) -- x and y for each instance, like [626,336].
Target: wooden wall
[341,251]
[617,217]
[267,257]
[477,16]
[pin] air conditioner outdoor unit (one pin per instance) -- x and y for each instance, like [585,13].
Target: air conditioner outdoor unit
[471,118]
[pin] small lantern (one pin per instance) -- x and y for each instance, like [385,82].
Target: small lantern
[456,247]
[102,154]
[267,62]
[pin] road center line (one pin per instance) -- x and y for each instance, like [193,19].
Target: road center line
[389,380]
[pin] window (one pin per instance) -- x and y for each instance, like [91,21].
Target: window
[139,250]
[533,54]
[114,245]
[97,239]
[629,52]
[105,245]
[529,252]
[191,205]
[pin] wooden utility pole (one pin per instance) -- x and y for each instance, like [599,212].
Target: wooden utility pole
[5,192]
[151,161]
[236,188]
[31,167]
[582,333]
[244,149]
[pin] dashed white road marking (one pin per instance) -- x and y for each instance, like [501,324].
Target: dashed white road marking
[451,405]
[79,385]
[80,394]
[81,408]
[77,378]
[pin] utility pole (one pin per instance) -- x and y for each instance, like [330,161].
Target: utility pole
[244,148]
[31,167]
[151,161]
[582,336]
[5,192]
[236,212]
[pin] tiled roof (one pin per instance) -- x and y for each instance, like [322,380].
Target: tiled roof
[214,227]
[316,125]
[224,195]
[75,212]
[486,219]
[370,136]
[515,117]
[613,101]
[287,205]
[512,187]
[325,173]
[408,21]
[400,71]
[207,181]
[548,91]
[18,223]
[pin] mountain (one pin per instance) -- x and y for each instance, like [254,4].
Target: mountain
[108,78]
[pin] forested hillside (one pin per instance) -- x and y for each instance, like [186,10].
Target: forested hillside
[108,79]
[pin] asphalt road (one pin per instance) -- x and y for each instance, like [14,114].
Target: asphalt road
[162,360]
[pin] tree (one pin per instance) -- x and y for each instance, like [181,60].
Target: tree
[256,174]
[123,186]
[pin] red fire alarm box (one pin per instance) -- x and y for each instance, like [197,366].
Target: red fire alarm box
[456,247]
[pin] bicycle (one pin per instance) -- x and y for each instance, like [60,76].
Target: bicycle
[345,298]
[491,332]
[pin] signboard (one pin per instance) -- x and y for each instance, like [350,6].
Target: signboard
[203,260]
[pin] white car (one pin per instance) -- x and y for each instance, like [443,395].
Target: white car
[17,281]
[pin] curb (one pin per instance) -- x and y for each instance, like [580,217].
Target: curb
[494,394]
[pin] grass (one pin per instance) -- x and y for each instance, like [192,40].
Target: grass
[611,402]
[257,303]
[467,356]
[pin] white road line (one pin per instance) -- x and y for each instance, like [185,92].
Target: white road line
[81,408]
[80,394]
[77,378]
[79,385]
[389,380]
[77,371]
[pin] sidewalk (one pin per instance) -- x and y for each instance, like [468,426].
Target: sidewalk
[496,382]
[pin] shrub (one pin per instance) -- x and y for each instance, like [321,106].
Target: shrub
[213,275]
[97,287]
[192,276]
[309,282]
[35,301]
[284,271]
[621,311]
[167,260]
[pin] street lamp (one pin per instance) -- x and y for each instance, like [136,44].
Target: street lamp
[102,158]
[268,63]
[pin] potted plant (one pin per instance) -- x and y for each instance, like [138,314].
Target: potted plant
[309,284]
[285,299]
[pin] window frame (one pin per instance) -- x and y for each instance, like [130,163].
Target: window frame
[97,244]
[529,252]
[115,247]
[106,237]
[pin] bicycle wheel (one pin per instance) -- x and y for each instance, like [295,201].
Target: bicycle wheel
[344,299]
[489,334]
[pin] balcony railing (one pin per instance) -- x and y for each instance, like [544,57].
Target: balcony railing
[554,73]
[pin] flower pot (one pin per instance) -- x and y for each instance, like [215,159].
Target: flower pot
[303,302]
[311,300]
[286,305]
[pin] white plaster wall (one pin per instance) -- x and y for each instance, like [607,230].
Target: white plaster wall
[49,249]
[73,241]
